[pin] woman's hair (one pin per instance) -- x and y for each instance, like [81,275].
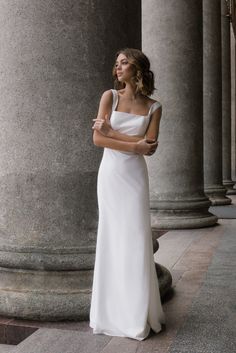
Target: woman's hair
[144,77]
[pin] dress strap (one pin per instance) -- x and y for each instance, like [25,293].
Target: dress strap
[154,107]
[115,99]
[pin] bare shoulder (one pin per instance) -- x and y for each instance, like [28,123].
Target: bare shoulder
[106,98]
[105,105]
[107,95]
[152,101]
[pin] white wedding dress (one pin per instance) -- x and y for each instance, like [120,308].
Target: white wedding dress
[125,294]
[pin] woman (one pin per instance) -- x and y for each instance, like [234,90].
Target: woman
[125,295]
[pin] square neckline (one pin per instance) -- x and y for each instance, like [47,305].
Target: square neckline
[117,111]
[117,101]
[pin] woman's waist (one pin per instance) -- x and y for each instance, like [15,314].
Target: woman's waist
[121,154]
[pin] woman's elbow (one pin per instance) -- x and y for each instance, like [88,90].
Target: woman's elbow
[96,139]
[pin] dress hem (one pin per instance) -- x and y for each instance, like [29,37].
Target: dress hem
[111,333]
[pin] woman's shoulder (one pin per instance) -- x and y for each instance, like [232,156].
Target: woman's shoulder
[115,92]
[106,99]
[111,92]
[107,95]
[152,102]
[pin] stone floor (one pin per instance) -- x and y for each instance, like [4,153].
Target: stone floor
[200,313]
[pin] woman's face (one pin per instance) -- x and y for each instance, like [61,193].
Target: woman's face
[124,70]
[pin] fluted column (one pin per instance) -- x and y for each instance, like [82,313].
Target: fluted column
[172,38]
[226,98]
[55,61]
[212,104]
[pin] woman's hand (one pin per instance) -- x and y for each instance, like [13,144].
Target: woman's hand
[103,126]
[146,147]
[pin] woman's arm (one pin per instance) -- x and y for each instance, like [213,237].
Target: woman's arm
[153,128]
[124,137]
[104,127]
[102,122]
[104,141]
[138,146]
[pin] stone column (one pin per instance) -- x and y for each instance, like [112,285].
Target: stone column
[172,38]
[233,106]
[226,98]
[212,105]
[55,61]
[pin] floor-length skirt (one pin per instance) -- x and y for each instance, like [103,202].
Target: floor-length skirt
[125,295]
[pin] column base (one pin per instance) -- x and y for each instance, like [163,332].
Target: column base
[45,295]
[164,275]
[229,184]
[217,196]
[231,192]
[182,214]
[164,279]
[54,296]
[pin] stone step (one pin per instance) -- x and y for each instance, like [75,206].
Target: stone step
[62,341]
[7,348]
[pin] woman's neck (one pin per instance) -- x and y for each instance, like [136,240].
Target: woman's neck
[129,91]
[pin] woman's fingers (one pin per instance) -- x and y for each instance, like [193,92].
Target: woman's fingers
[153,147]
[147,148]
[153,143]
[101,125]
[98,122]
[150,153]
[98,119]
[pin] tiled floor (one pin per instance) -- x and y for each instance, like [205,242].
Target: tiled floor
[193,258]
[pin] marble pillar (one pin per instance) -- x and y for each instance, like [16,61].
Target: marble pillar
[226,99]
[56,59]
[172,39]
[212,105]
